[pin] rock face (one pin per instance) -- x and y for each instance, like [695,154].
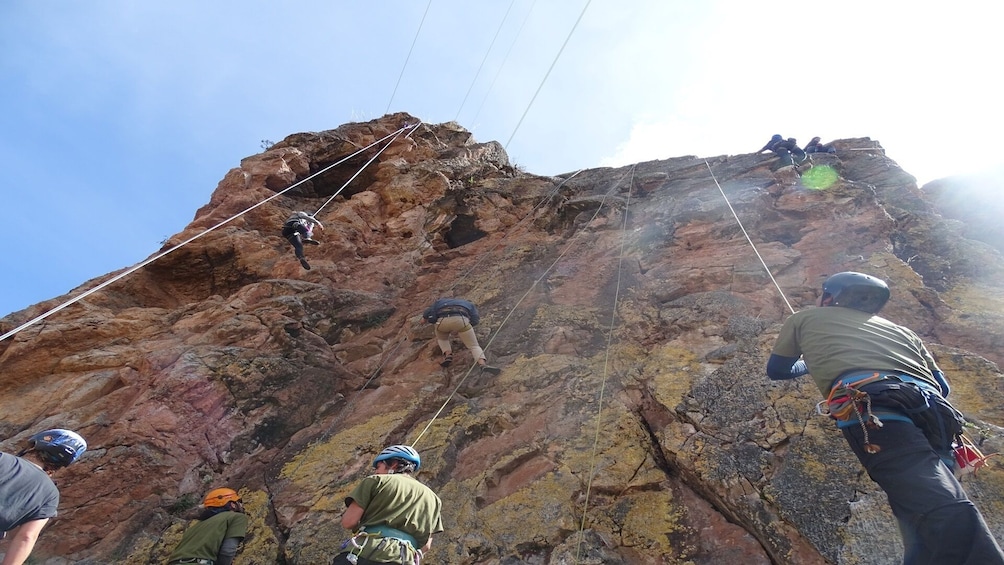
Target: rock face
[631,312]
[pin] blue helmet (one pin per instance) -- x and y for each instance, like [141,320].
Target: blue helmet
[855,290]
[57,447]
[403,452]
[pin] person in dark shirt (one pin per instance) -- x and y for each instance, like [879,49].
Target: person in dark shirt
[28,497]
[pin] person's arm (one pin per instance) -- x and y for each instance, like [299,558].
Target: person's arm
[22,541]
[227,551]
[781,368]
[353,516]
[427,546]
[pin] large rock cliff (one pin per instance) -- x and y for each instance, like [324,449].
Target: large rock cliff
[632,311]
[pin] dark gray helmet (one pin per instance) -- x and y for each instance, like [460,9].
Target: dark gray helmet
[855,290]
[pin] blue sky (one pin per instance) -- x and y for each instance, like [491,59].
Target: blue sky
[120,117]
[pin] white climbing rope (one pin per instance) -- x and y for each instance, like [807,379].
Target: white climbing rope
[747,235]
[139,266]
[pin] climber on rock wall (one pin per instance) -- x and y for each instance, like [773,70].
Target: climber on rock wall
[814,146]
[214,539]
[887,394]
[299,229]
[391,514]
[457,316]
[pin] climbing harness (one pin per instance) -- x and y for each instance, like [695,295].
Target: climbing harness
[845,402]
[899,397]
[383,535]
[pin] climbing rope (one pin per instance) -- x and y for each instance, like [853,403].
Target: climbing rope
[572,241]
[529,216]
[363,168]
[748,239]
[139,266]
[603,380]
[547,74]
[504,60]
[406,59]
[482,65]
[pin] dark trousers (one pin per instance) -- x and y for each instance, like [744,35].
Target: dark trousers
[938,522]
[294,232]
[340,559]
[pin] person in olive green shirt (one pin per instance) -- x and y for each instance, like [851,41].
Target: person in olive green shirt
[392,514]
[214,539]
[845,342]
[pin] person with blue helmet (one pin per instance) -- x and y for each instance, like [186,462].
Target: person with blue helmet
[391,514]
[887,395]
[28,497]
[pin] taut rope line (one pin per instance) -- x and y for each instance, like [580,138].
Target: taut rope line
[547,74]
[477,74]
[361,169]
[504,59]
[738,221]
[139,266]
[408,58]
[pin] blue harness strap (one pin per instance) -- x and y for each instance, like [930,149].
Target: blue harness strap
[386,531]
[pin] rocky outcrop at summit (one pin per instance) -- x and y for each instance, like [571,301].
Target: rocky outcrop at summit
[632,423]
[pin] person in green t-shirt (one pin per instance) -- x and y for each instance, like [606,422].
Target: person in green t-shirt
[213,540]
[392,514]
[846,346]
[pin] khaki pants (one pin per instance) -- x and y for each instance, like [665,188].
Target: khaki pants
[461,326]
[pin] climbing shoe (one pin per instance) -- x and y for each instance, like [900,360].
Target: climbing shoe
[447,361]
[305,264]
[490,370]
[311,241]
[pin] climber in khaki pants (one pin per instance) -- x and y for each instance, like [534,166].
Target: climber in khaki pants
[456,316]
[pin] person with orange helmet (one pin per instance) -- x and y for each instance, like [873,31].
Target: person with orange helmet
[214,539]
[28,497]
[392,514]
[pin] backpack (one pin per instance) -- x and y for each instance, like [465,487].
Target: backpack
[941,423]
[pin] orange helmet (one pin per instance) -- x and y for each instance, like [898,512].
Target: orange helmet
[220,497]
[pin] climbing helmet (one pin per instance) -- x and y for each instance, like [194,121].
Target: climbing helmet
[220,497]
[403,452]
[855,290]
[57,447]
